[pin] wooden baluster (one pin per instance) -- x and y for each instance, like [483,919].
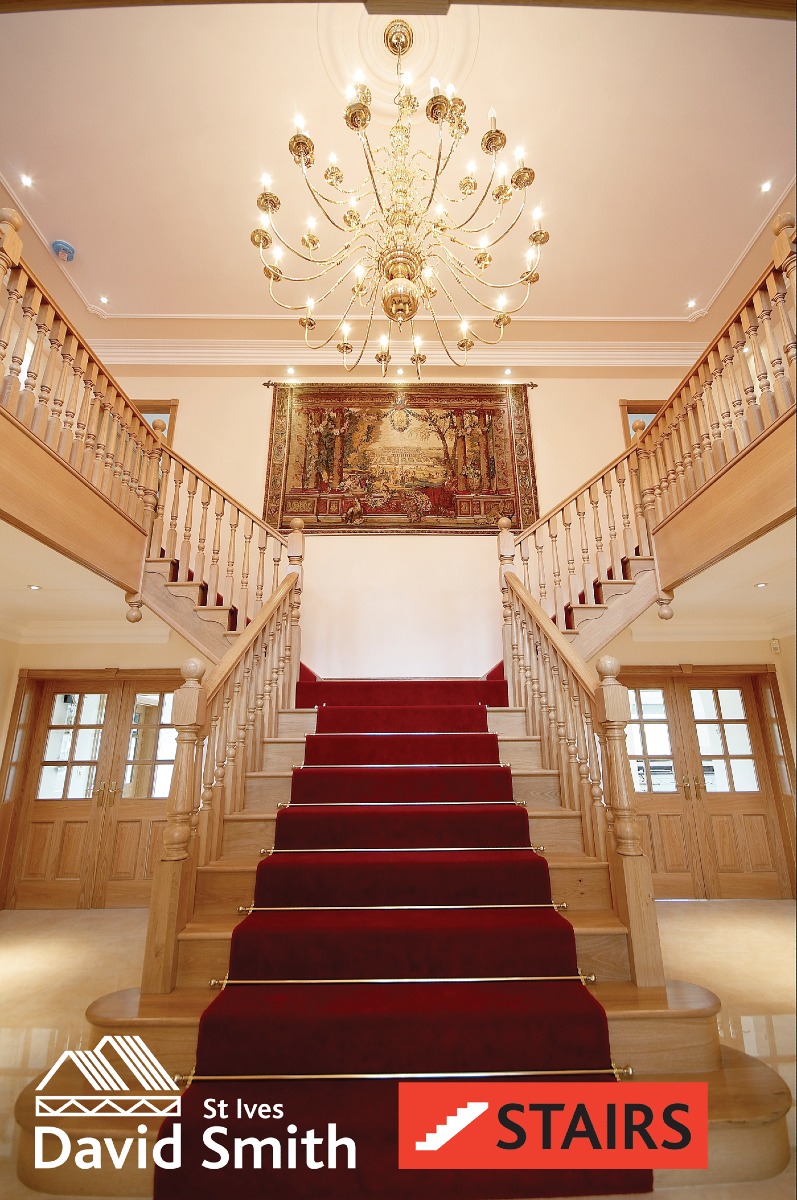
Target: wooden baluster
[275,650]
[718,452]
[67,434]
[571,742]
[243,595]
[260,583]
[220,770]
[188,717]
[649,510]
[776,286]
[199,560]
[632,884]
[685,467]
[525,546]
[233,719]
[210,838]
[600,557]
[582,760]
[628,541]
[156,546]
[558,598]
[244,727]
[253,758]
[27,397]
[171,532]
[55,421]
[740,418]
[93,420]
[678,444]
[586,573]
[295,564]
[103,448]
[506,562]
[147,466]
[614,544]
[15,290]
[784,397]
[215,552]
[596,785]
[693,461]
[542,588]
[730,444]
[783,252]
[228,592]
[9,397]
[533,677]
[276,555]
[660,481]
[116,452]
[572,590]
[559,740]
[78,449]
[667,460]
[702,454]
[129,484]
[766,398]
[526,651]
[41,414]
[184,569]
[640,523]
[517,655]
[268,698]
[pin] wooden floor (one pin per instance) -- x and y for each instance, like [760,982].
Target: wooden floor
[53,964]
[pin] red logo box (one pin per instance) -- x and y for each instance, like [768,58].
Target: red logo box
[578,1126]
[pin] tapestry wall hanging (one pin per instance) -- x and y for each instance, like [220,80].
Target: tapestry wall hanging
[423,459]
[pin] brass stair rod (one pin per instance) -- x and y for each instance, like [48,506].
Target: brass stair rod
[250,908]
[221,984]
[617,1072]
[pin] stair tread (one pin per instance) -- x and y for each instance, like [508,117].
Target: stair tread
[242,865]
[676,998]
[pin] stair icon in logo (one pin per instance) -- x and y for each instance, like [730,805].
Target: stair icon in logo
[453,1125]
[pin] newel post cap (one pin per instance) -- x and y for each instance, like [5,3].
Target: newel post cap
[504,523]
[612,702]
[297,524]
[10,241]
[189,703]
[783,250]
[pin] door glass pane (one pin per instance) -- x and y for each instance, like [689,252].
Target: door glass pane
[87,744]
[738,739]
[639,774]
[51,783]
[58,745]
[147,709]
[634,705]
[151,749]
[137,781]
[92,711]
[652,702]
[64,709]
[167,744]
[163,779]
[703,705]
[715,775]
[81,782]
[731,704]
[662,775]
[633,739]
[745,777]
[166,714]
[658,738]
[709,739]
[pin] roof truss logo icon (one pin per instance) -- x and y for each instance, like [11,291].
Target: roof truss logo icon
[107,1069]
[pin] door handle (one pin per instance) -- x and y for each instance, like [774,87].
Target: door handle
[687,789]
[111,793]
[101,789]
[698,788]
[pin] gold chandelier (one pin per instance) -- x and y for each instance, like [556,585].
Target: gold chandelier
[404,249]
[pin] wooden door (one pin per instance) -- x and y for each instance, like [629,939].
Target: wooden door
[94,804]
[737,827]
[660,771]
[66,797]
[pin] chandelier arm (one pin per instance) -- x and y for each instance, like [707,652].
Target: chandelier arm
[485,194]
[437,173]
[483,303]
[443,340]
[457,264]
[333,261]
[364,346]
[368,160]
[305,278]
[510,227]
[321,345]
[316,198]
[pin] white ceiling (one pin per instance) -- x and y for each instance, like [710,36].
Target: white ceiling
[146,132]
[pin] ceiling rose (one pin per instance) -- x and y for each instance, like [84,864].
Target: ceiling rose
[407,240]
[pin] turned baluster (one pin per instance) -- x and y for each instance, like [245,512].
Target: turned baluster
[628,542]
[285,656]
[104,446]
[55,421]
[744,432]
[776,286]
[243,595]
[636,495]
[659,467]
[296,565]
[542,587]
[667,460]
[600,557]
[275,649]
[572,590]
[127,469]
[692,466]
[184,569]
[518,675]
[571,741]
[199,560]
[27,397]
[40,416]
[15,289]
[718,452]
[582,759]
[215,552]
[683,441]
[156,546]
[783,251]
[209,841]
[260,582]
[506,562]
[268,698]
[767,399]
[220,769]
[596,785]
[81,423]
[233,719]
[533,677]
[247,711]
[276,555]
[171,533]
[784,398]
[586,574]
[614,544]
[614,713]
[754,417]
[560,727]
[11,385]
[701,446]
[558,600]
[228,589]
[93,421]
[730,444]
[525,547]
[259,662]
[150,467]
[547,731]
[72,401]
[116,451]
[677,447]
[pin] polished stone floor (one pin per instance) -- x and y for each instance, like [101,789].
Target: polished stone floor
[52,964]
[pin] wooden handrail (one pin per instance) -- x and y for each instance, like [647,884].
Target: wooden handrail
[214,681]
[582,671]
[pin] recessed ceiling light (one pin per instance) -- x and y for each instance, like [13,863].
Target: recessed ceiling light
[760,585]
[691,303]
[400,371]
[34,587]
[103,299]
[26,181]
[508,371]
[767,187]
[291,371]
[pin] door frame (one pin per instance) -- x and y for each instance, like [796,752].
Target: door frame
[17,761]
[759,673]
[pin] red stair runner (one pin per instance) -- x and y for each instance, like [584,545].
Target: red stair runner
[421,875]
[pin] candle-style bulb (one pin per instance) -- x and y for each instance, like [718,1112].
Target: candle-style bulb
[265,179]
[298,121]
[434,84]
[493,117]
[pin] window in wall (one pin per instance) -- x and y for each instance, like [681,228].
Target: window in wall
[637,410]
[160,410]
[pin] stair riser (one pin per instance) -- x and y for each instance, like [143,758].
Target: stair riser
[244,839]
[204,958]
[285,754]
[510,722]
[558,834]
[222,891]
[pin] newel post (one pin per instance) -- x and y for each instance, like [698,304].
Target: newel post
[150,476]
[10,241]
[296,564]
[629,866]
[648,490]
[783,254]
[506,562]
[172,871]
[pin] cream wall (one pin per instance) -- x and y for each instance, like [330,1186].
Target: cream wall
[424,605]
[9,667]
